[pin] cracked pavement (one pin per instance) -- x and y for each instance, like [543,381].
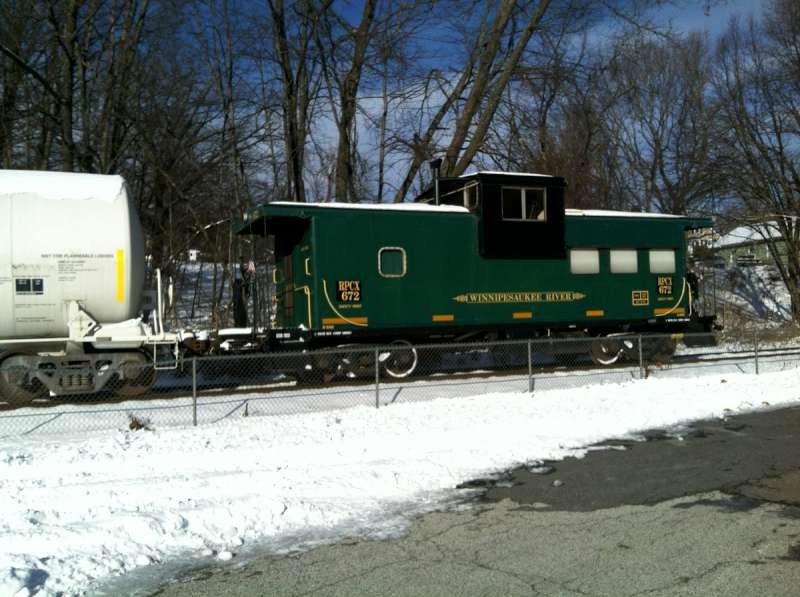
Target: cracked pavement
[714,513]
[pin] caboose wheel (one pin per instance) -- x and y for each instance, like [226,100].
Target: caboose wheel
[658,350]
[137,376]
[17,385]
[605,351]
[400,360]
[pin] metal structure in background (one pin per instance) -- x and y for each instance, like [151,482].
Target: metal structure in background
[704,289]
[208,390]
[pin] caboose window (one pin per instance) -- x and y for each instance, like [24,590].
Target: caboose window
[524,204]
[471,196]
[662,261]
[584,261]
[512,204]
[392,262]
[466,196]
[623,261]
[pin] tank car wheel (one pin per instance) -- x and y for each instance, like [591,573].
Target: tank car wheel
[605,351]
[400,360]
[16,384]
[138,376]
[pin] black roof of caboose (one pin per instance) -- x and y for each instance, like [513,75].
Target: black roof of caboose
[487,177]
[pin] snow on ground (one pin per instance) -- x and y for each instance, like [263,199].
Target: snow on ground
[758,291]
[80,509]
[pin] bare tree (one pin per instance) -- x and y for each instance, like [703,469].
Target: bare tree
[759,92]
[470,99]
[348,86]
[292,39]
[16,44]
[81,77]
[28,54]
[660,120]
[552,116]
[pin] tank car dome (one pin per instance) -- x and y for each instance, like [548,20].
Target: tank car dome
[66,237]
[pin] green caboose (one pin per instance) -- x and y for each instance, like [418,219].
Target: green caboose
[491,255]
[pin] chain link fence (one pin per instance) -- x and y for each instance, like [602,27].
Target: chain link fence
[81,397]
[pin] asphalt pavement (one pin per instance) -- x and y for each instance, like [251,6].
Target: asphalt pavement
[710,510]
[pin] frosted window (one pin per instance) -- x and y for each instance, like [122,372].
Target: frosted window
[392,262]
[471,196]
[623,261]
[662,261]
[584,261]
[534,204]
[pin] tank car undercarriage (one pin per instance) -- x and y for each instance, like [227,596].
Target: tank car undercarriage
[26,377]
[93,359]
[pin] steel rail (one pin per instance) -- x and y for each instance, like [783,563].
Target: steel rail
[234,388]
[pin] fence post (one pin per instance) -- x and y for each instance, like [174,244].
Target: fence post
[194,391]
[641,359]
[755,346]
[377,379]
[530,367]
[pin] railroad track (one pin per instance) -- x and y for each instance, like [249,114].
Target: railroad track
[234,387]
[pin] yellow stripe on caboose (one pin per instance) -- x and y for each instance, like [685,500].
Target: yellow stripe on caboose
[679,311]
[329,321]
[120,276]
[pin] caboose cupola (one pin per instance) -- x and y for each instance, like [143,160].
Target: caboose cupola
[520,216]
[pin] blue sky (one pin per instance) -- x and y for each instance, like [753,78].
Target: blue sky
[692,15]
[715,19]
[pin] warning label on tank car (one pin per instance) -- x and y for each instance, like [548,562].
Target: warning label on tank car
[77,256]
[544,296]
[71,264]
[29,286]
[35,319]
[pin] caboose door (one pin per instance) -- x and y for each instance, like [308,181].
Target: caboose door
[286,292]
[293,283]
[292,273]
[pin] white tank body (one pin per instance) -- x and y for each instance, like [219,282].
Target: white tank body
[66,237]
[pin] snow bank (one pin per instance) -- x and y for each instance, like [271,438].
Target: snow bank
[80,509]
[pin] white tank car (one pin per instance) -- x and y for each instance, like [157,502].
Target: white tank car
[66,237]
[71,281]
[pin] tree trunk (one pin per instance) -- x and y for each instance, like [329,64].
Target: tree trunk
[66,38]
[12,77]
[296,87]
[495,94]
[348,98]
[382,132]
